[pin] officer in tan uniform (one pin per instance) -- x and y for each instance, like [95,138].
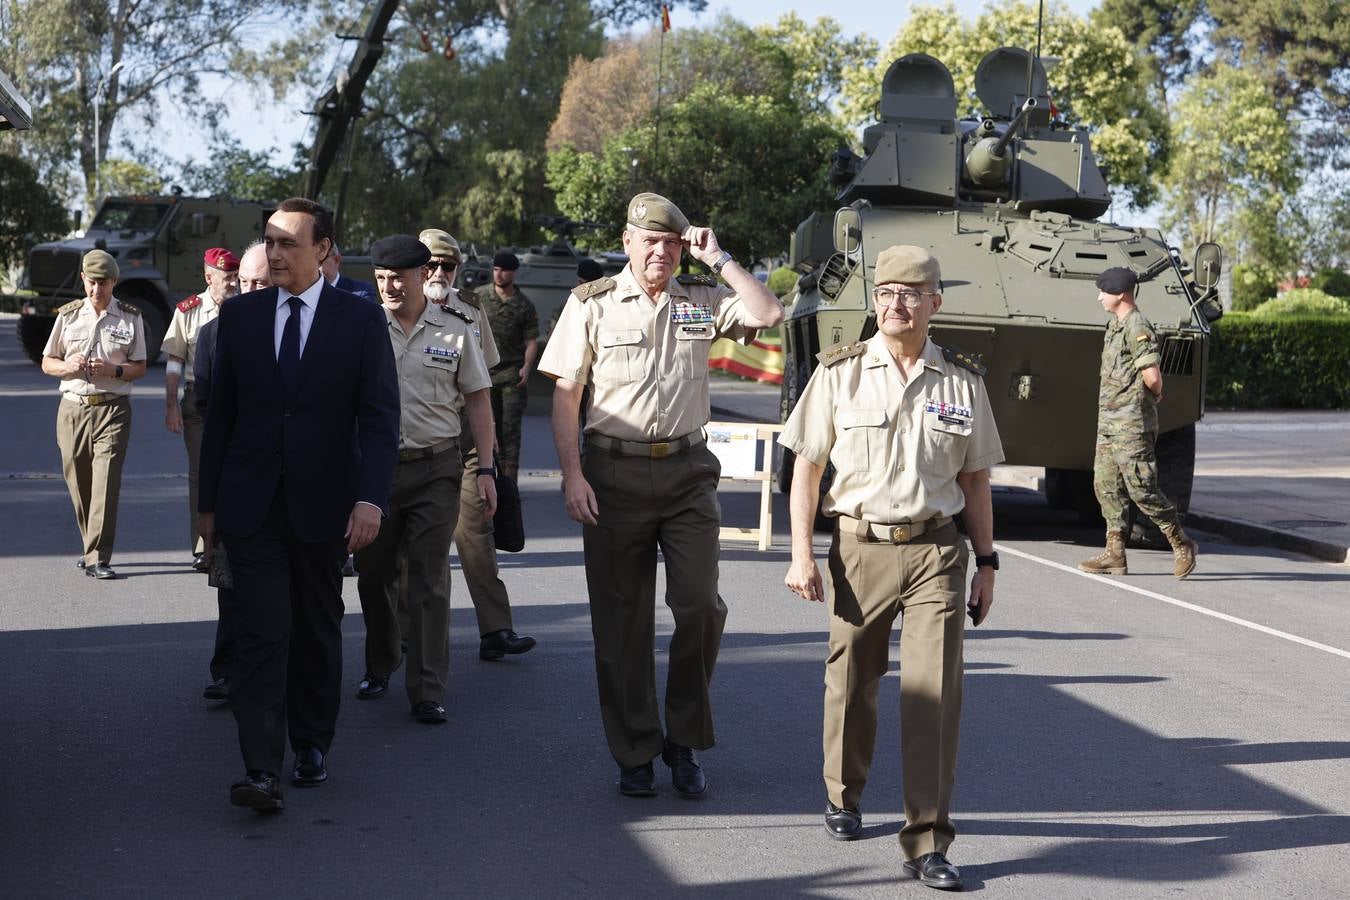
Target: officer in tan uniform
[97,348]
[474,542]
[648,479]
[909,430]
[180,344]
[438,362]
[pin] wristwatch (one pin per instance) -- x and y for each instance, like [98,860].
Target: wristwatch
[117,373]
[991,560]
[722,260]
[490,471]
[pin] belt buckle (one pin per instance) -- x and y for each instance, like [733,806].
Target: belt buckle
[661,450]
[92,400]
[900,534]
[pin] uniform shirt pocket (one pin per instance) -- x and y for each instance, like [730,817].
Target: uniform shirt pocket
[619,358]
[440,372]
[861,445]
[946,437]
[693,341]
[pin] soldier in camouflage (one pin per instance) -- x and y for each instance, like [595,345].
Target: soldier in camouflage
[515,327]
[1125,467]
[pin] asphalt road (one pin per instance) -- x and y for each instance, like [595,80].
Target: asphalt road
[1131,737]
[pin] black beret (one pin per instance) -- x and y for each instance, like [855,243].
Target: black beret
[399,251]
[589,270]
[1117,280]
[505,259]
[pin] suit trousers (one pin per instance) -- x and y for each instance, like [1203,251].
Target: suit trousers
[924,583]
[414,538]
[93,442]
[193,424]
[286,673]
[646,504]
[224,650]
[478,556]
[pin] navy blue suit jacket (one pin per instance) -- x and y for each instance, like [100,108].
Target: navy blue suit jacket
[354,286]
[335,437]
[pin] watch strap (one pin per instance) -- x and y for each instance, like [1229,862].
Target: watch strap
[991,560]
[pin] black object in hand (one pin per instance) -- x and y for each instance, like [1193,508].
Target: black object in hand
[973,612]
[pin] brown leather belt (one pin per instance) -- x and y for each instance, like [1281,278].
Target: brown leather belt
[903,533]
[94,399]
[424,452]
[658,450]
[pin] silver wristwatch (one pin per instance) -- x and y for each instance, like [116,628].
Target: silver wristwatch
[722,261]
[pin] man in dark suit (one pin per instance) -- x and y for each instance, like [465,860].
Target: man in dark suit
[300,446]
[331,274]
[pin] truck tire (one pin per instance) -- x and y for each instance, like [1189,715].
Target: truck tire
[156,320]
[1072,489]
[33,333]
[1175,451]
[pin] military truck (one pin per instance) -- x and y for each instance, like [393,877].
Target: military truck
[1008,203]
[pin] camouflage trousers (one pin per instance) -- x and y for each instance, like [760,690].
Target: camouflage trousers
[1125,468]
[508,409]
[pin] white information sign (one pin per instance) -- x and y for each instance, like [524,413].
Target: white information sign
[737,446]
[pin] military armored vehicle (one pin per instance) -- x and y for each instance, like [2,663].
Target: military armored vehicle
[1008,203]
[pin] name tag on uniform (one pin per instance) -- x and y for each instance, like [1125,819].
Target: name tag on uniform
[437,352]
[120,334]
[695,331]
[952,410]
[693,313]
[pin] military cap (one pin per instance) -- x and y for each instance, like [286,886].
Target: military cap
[399,251]
[99,265]
[441,244]
[589,270]
[907,264]
[652,212]
[222,259]
[507,260]
[1117,280]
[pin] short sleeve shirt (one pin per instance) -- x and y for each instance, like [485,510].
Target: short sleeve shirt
[437,363]
[1124,404]
[514,323]
[116,335]
[896,446]
[646,358]
[181,339]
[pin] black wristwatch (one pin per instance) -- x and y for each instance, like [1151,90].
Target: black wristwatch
[490,471]
[117,373]
[991,560]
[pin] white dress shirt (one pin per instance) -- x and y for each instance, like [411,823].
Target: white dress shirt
[310,299]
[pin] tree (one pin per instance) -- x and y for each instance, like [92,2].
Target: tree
[29,212]
[1161,30]
[127,176]
[1098,83]
[232,171]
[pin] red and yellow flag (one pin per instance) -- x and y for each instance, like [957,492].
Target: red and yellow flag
[761,359]
[665,18]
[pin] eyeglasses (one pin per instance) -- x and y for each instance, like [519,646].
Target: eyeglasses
[911,299]
[443,264]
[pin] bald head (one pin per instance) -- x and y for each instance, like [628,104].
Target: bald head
[253,272]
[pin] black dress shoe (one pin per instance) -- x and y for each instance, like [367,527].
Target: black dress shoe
[259,791]
[497,644]
[309,770]
[934,870]
[842,824]
[429,712]
[199,563]
[685,772]
[638,781]
[371,687]
[101,571]
[217,690]
[79,563]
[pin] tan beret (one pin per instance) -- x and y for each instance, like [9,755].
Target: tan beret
[99,265]
[441,244]
[907,264]
[653,212]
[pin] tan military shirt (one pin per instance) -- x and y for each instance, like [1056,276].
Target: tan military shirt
[896,446]
[437,363]
[646,358]
[116,335]
[188,319]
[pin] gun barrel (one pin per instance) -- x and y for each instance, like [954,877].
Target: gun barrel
[1015,124]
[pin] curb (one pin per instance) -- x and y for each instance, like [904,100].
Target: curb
[1251,534]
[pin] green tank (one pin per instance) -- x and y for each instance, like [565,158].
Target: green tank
[1009,204]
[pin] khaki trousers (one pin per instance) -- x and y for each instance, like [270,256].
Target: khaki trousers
[924,583]
[93,442]
[646,504]
[414,538]
[478,555]
[192,439]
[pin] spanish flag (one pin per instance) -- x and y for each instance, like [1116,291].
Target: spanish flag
[761,359]
[665,18]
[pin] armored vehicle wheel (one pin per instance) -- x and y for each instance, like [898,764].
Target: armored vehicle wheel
[1072,489]
[1176,477]
[785,471]
[155,319]
[33,333]
[823,522]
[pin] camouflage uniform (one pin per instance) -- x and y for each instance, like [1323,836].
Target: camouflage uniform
[514,323]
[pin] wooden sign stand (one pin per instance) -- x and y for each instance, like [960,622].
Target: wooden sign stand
[739,464]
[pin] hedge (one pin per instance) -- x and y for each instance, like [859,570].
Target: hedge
[1296,362]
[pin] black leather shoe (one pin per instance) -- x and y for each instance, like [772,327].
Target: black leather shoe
[497,644]
[429,712]
[309,770]
[371,687]
[101,571]
[217,690]
[934,870]
[685,772]
[349,567]
[199,563]
[842,824]
[259,791]
[79,563]
[639,781]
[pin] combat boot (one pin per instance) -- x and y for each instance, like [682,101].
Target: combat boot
[1184,551]
[1110,561]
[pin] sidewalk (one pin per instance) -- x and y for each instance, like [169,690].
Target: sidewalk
[1275,479]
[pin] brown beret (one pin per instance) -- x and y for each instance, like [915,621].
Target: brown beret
[653,212]
[99,265]
[907,264]
[441,244]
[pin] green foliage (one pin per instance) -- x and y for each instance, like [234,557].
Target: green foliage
[29,212]
[781,281]
[1279,363]
[126,176]
[1160,31]
[233,171]
[1335,282]
[1253,284]
[1303,302]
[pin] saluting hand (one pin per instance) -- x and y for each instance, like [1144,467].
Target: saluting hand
[803,579]
[703,245]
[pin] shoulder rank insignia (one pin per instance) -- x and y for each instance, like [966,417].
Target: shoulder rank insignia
[704,280]
[469,298]
[972,363]
[190,303]
[458,314]
[1142,337]
[832,355]
[588,290]
[128,308]
[71,306]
